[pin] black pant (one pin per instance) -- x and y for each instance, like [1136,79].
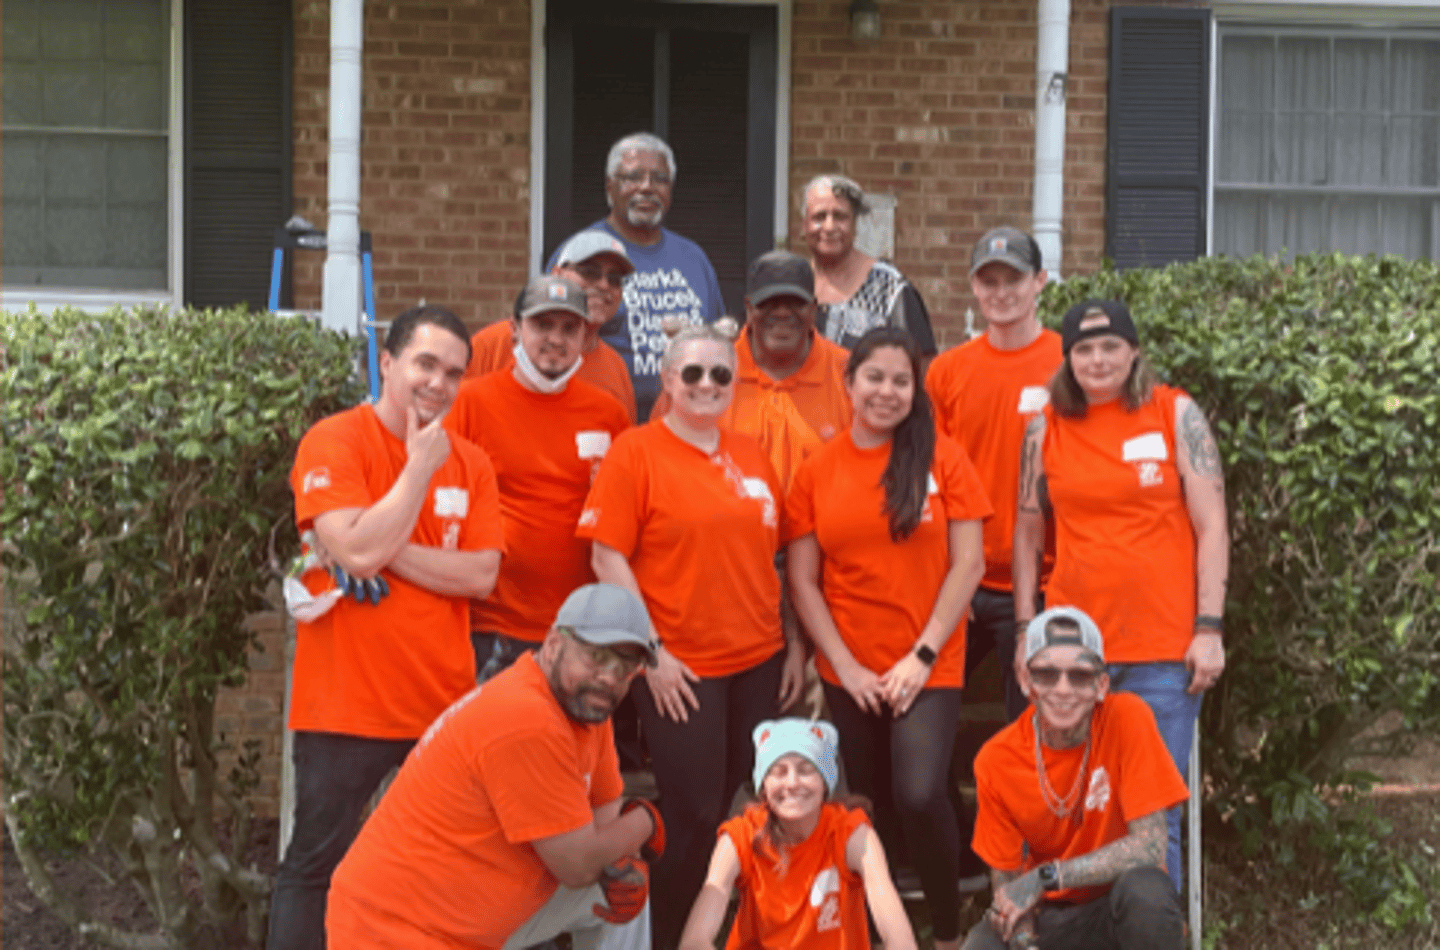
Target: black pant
[1141,912]
[495,652]
[686,757]
[335,777]
[916,784]
[993,625]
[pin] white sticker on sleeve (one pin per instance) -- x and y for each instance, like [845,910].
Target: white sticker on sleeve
[452,502]
[932,487]
[1144,448]
[592,444]
[1033,399]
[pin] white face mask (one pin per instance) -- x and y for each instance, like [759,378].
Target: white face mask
[539,380]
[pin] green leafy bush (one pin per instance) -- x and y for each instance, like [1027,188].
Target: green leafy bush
[1320,379]
[144,469]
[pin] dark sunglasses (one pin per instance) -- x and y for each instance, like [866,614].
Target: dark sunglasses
[1080,677]
[719,375]
[593,272]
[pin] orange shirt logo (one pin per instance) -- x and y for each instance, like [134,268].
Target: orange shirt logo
[314,479]
[825,894]
[1097,798]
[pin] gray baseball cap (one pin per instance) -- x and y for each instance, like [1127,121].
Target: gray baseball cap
[1007,245]
[1038,638]
[548,293]
[606,615]
[587,244]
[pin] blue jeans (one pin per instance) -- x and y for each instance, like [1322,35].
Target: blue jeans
[1162,686]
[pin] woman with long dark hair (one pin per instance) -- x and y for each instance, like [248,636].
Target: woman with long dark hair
[885,553]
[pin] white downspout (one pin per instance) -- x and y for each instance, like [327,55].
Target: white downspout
[340,302]
[1052,66]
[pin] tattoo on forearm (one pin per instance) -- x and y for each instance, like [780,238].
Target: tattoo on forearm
[1144,846]
[1204,455]
[1031,473]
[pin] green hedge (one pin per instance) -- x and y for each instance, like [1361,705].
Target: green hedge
[1320,379]
[145,474]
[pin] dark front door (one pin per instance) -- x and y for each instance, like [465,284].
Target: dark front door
[702,77]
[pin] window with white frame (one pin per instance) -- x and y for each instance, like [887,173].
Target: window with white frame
[1327,140]
[86,160]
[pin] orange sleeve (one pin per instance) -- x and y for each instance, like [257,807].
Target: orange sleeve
[483,528]
[327,475]
[961,489]
[490,349]
[800,503]
[937,387]
[615,510]
[606,783]
[460,420]
[609,372]
[998,839]
[534,782]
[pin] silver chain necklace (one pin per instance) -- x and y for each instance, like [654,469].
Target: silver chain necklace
[1061,807]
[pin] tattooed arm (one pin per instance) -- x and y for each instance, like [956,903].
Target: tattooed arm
[1012,909]
[1029,544]
[1144,846]
[1204,482]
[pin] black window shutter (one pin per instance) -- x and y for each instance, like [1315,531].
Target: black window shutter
[237,187]
[1159,135]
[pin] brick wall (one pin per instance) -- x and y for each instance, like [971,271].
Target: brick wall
[940,111]
[445,155]
[255,710]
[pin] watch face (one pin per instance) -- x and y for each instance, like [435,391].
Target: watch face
[1049,879]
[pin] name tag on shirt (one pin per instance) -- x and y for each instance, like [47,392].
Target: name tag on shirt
[1149,447]
[452,502]
[592,444]
[1033,399]
[758,488]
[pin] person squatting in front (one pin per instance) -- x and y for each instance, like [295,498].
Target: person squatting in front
[409,516]
[506,827]
[545,430]
[885,553]
[686,514]
[1072,800]
[806,864]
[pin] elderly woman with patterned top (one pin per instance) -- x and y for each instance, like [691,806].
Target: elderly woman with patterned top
[806,864]
[687,515]
[855,292]
[885,554]
[1131,474]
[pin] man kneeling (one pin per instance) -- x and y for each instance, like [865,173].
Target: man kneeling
[505,827]
[1072,800]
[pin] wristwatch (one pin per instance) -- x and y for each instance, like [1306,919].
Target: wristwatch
[1050,876]
[925,655]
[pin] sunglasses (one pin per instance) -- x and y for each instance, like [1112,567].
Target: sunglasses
[606,658]
[719,375]
[592,273]
[1080,677]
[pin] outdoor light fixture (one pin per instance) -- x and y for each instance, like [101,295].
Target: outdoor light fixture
[864,20]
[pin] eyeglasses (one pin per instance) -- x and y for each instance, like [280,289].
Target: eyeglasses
[657,179]
[593,273]
[719,375]
[1080,677]
[605,658]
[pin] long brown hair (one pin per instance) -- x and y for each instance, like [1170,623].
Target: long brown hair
[1069,399]
[912,444]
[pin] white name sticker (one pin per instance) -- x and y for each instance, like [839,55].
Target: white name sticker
[1144,448]
[932,487]
[758,488]
[452,502]
[1033,399]
[592,444]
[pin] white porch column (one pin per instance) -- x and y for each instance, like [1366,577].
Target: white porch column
[1052,65]
[341,303]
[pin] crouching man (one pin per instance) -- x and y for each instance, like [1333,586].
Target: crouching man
[1072,802]
[505,827]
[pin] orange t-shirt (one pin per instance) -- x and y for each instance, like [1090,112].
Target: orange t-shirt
[700,532]
[546,448]
[1125,548]
[493,349]
[447,858]
[881,594]
[1131,776]
[386,671]
[984,397]
[791,417]
[819,903]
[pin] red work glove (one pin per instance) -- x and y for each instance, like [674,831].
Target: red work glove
[627,886]
[654,847]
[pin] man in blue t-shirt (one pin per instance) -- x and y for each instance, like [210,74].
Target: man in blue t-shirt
[672,278]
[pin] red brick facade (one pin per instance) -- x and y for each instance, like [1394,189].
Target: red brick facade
[939,112]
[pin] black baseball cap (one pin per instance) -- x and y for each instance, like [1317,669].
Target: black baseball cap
[779,274]
[1096,318]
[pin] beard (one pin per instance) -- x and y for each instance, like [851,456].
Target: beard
[571,700]
[642,219]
